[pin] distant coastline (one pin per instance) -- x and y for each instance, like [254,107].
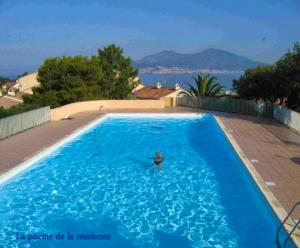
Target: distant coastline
[180,70]
[170,79]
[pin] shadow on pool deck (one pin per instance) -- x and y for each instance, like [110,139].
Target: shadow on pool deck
[296,160]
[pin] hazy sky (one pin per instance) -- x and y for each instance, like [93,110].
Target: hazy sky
[32,30]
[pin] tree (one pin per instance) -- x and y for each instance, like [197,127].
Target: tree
[288,73]
[67,79]
[259,83]
[71,79]
[206,85]
[274,82]
[118,72]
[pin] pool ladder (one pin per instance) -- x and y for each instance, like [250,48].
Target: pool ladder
[294,228]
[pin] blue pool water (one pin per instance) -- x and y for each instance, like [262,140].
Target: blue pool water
[104,182]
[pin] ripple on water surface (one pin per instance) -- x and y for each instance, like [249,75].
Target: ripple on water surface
[107,174]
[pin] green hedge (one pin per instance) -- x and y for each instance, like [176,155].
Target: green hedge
[17,109]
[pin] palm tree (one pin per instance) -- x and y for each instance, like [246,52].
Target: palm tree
[206,86]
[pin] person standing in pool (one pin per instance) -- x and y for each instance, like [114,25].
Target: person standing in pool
[158,159]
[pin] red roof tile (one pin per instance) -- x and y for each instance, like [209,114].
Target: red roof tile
[150,92]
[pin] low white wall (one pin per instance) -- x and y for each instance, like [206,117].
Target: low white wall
[289,117]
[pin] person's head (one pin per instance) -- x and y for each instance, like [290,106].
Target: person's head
[158,154]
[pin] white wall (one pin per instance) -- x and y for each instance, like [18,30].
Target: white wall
[289,117]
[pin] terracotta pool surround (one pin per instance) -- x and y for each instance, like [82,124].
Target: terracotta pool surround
[78,107]
[270,197]
[65,131]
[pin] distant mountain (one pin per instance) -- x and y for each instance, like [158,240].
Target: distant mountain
[208,59]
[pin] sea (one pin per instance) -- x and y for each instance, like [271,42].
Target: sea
[169,80]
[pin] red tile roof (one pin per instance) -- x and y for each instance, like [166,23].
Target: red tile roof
[8,84]
[150,92]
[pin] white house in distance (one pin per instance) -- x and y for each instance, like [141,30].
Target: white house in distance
[28,82]
[156,92]
[10,88]
[11,92]
[23,85]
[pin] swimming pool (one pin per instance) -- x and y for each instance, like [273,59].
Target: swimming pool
[102,189]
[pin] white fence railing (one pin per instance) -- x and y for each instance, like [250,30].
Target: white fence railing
[227,104]
[20,122]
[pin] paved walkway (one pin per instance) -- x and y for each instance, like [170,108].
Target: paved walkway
[274,151]
[273,148]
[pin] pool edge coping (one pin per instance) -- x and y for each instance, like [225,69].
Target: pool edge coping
[274,203]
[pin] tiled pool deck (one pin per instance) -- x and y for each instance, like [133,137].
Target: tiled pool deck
[273,149]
